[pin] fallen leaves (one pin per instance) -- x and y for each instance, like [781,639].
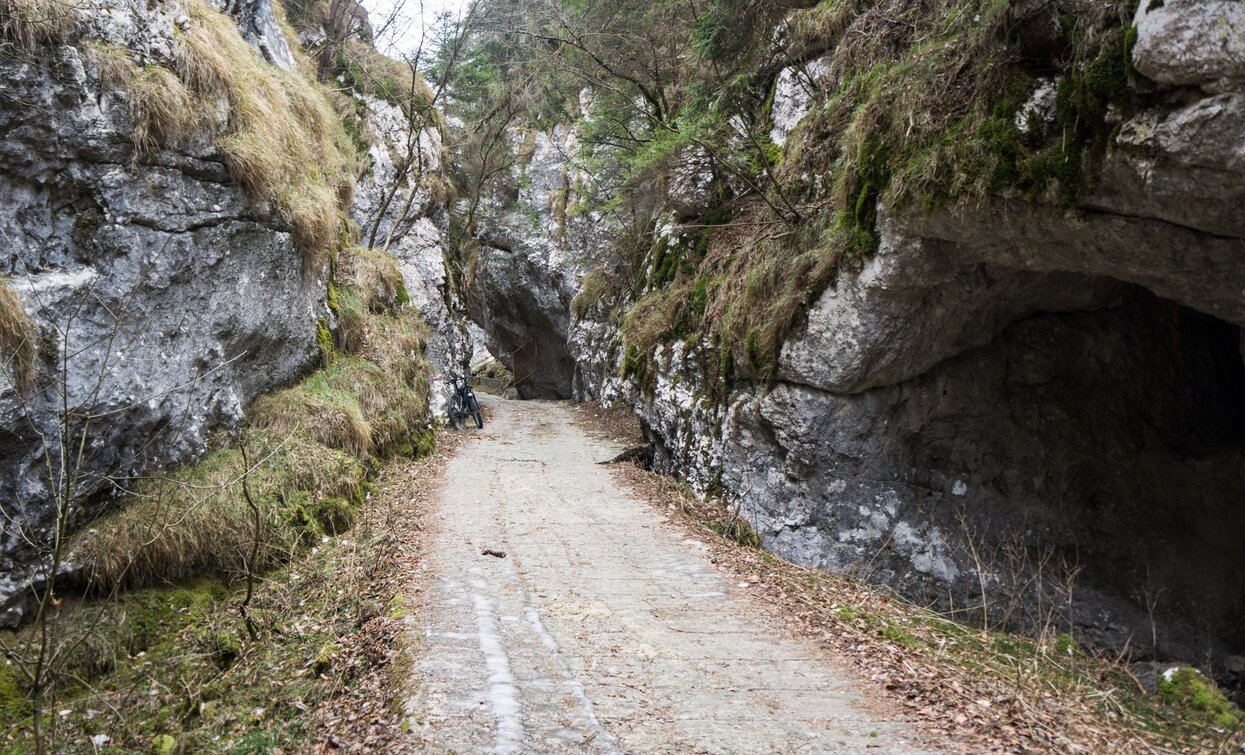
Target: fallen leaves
[948,679]
[368,716]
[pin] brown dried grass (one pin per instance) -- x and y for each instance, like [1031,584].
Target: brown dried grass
[28,24]
[283,141]
[196,520]
[17,334]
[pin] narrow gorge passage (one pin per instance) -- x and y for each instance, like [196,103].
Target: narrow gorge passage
[603,629]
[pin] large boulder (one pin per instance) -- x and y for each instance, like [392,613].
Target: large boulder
[1191,43]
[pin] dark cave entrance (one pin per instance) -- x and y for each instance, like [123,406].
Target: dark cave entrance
[1116,437]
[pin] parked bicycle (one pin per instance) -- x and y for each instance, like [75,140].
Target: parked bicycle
[463,403]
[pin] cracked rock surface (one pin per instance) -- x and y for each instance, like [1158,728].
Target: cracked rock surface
[179,300]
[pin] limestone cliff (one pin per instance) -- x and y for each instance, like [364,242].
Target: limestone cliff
[175,188]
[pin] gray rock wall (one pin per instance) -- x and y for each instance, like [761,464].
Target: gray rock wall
[534,252]
[402,214]
[164,300]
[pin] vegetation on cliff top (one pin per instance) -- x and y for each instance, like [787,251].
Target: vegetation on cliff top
[918,106]
[26,24]
[280,134]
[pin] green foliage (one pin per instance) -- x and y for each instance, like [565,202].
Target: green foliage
[735,528]
[324,340]
[1188,688]
[13,698]
[398,608]
[425,444]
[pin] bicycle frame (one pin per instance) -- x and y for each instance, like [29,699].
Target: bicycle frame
[463,402]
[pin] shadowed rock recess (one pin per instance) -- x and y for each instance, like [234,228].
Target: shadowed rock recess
[1032,403]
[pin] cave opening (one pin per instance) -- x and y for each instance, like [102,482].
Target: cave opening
[1116,437]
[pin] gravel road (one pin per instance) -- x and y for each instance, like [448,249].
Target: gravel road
[603,629]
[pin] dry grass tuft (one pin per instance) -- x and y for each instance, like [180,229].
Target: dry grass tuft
[17,346]
[282,139]
[163,109]
[330,416]
[378,75]
[113,63]
[311,447]
[196,520]
[362,405]
[397,344]
[377,279]
[27,24]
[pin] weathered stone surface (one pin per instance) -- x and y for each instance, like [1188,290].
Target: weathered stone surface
[177,300]
[534,254]
[691,183]
[399,212]
[133,24]
[794,92]
[1191,43]
[1069,435]
[1186,167]
[917,302]
[258,23]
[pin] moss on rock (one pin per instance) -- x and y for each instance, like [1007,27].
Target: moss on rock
[1189,688]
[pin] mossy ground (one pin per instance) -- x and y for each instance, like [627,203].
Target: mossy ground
[1193,694]
[172,668]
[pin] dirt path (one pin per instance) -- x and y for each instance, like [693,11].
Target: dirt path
[603,629]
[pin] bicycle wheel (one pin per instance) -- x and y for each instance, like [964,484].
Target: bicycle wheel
[474,407]
[456,413]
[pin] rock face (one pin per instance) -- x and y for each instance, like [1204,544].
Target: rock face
[534,253]
[258,23]
[794,92]
[164,300]
[1189,43]
[1101,436]
[1033,409]
[399,212]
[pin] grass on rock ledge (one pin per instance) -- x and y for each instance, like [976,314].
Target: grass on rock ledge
[171,668]
[151,653]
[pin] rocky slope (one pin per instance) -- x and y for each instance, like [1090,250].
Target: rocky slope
[1022,402]
[160,291]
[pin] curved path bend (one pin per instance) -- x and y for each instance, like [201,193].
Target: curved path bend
[603,629]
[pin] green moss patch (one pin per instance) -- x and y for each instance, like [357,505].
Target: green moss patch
[1187,688]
